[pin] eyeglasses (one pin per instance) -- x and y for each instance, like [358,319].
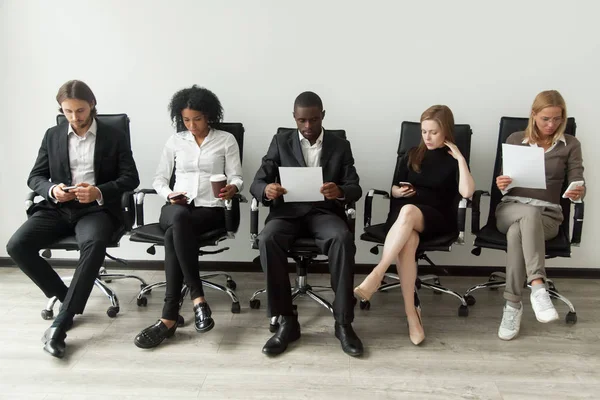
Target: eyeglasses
[555,120]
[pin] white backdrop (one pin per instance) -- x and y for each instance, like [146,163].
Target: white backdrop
[374,64]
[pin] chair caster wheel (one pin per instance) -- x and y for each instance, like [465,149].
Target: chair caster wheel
[571,317]
[255,304]
[107,280]
[180,321]
[365,305]
[463,311]
[494,289]
[112,311]
[235,308]
[470,300]
[47,314]
[273,327]
[231,284]
[142,302]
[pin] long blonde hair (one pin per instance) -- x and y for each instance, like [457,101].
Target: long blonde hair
[547,98]
[445,119]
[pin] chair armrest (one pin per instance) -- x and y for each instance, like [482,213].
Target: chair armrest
[461,220]
[128,209]
[475,210]
[369,204]
[29,200]
[577,224]
[254,207]
[140,195]
[350,211]
[232,215]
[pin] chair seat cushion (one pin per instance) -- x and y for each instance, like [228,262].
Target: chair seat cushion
[377,234]
[153,233]
[490,237]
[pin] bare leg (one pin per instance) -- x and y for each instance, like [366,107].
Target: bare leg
[407,272]
[409,220]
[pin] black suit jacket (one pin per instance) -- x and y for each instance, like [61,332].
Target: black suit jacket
[285,151]
[114,168]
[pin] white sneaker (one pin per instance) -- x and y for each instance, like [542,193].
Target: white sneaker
[511,322]
[542,306]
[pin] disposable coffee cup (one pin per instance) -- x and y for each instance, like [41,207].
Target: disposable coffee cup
[218,182]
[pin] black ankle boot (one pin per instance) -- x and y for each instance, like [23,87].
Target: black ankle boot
[203,317]
[153,335]
[288,332]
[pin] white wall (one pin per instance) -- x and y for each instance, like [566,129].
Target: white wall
[374,64]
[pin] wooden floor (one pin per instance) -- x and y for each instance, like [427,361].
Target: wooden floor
[461,357]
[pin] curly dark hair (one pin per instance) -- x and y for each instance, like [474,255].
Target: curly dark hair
[198,99]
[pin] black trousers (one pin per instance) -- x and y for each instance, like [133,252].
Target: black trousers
[333,238]
[92,226]
[182,224]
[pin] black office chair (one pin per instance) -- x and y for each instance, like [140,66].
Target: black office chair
[121,123]
[490,238]
[410,136]
[304,252]
[154,235]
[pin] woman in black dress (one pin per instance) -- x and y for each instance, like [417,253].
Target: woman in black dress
[425,186]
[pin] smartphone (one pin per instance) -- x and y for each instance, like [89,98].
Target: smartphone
[67,188]
[572,185]
[406,184]
[178,197]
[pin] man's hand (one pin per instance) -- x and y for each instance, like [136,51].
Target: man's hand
[274,190]
[331,191]
[576,193]
[181,200]
[228,192]
[503,181]
[61,195]
[86,193]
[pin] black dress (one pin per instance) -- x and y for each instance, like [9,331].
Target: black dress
[436,192]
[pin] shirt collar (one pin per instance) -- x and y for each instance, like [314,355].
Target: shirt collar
[93,128]
[187,135]
[561,138]
[319,139]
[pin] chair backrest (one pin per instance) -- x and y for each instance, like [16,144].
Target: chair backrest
[119,122]
[410,136]
[236,129]
[508,126]
[338,132]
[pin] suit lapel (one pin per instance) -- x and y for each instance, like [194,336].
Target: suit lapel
[326,149]
[63,152]
[297,149]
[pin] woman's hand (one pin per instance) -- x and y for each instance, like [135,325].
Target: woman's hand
[454,151]
[404,191]
[178,198]
[576,193]
[503,181]
[228,192]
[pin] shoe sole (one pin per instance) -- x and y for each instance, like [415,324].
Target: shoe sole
[555,318]
[506,339]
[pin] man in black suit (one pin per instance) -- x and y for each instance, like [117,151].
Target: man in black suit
[82,169]
[309,146]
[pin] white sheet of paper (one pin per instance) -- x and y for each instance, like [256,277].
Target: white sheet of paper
[525,165]
[302,183]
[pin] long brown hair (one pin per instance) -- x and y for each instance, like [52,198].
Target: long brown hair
[445,119]
[77,90]
[548,98]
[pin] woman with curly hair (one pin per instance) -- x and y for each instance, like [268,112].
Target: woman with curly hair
[193,154]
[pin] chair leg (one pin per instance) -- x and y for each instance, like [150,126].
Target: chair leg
[319,300]
[235,305]
[463,309]
[114,309]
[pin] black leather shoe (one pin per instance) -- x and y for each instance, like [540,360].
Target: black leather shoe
[351,344]
[288,332]
[202,317]
[54,341]
[153,335]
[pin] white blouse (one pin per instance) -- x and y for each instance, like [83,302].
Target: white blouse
[218,154]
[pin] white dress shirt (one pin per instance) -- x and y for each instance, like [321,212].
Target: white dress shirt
[81,157]
[537,202]
[312,153]
[218,154]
